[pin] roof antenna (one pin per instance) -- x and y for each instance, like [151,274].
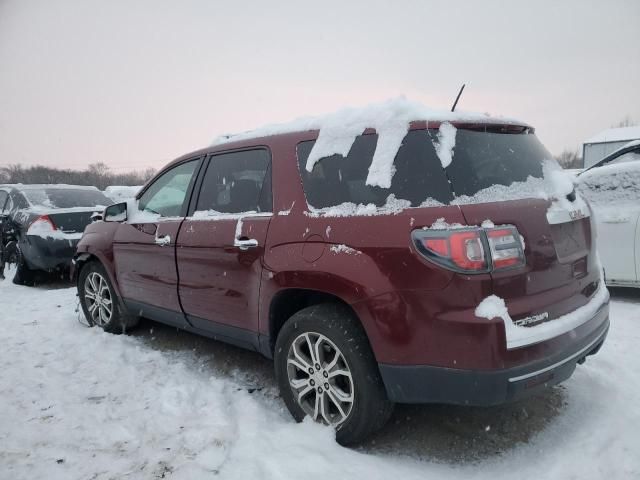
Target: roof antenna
[458,97]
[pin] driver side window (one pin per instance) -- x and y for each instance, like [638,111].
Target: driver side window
[167,194]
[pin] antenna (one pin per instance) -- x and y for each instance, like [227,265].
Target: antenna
[458,97]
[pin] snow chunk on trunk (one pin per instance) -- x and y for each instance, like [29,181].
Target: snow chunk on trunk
[446,143]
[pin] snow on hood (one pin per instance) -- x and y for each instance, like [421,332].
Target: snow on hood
[390,119]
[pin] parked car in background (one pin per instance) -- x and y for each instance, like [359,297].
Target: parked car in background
[612,187]
[40,225]
[373,266]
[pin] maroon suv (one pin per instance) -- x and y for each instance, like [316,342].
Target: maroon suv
[458,282]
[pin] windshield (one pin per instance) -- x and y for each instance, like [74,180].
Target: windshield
[66,198]
[481,160]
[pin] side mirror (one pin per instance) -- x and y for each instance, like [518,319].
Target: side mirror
[116,213]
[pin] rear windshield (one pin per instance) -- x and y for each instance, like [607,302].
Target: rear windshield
[66,198]
[481,159]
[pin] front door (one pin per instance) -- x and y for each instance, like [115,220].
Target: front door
[221,245]
[144,245]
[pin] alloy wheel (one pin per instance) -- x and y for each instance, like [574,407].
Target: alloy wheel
[320,378]
[98,299]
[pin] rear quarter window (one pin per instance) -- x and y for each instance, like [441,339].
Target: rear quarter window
[483,159]
[335,180]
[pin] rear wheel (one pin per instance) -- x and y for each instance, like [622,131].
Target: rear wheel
[24,275]
[100,304]
[326,370]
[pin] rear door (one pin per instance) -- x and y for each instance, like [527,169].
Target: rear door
[144,246]
[221,245]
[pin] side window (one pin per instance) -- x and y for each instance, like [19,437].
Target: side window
[237,182]
[335,180]
[167,194]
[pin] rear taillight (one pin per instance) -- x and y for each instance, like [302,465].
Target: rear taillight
[42,224]
[471,250]
[505,246]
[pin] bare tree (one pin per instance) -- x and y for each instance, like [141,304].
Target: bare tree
[97,174]
[625,122]
[570,159]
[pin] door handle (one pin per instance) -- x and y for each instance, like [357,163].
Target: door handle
[245,243]
[163,241]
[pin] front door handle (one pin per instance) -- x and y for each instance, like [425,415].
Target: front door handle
[245,243]
[163,241]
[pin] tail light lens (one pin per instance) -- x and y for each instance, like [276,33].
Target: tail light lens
[472,250]
[505,246]
[41,225]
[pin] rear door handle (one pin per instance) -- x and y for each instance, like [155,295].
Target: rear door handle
[163,241]
[245,243]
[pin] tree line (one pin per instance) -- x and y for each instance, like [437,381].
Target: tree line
[96,174]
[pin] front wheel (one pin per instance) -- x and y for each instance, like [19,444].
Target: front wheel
[99,301]
[326,370]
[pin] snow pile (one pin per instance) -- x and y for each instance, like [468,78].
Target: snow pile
[345,249]
[616,134]
[119,193]
[487,224]
[617,183]
[555,184]
[215,215]
[446,143]
[440,224]
[492,307]
[135,215]
[392,206]
[337,132]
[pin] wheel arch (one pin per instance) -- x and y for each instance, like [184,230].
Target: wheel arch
[83,258]
[286,302]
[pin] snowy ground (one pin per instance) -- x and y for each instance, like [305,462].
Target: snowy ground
[78,403]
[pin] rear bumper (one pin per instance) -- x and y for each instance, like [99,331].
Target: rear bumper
[430,384]
[47,253]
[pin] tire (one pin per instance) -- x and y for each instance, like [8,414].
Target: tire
[355,402]
[100,303]
[24,275]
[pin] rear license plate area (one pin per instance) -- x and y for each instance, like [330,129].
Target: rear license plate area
[570,241]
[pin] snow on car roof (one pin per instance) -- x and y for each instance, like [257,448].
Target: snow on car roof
[618,134]
[390,119]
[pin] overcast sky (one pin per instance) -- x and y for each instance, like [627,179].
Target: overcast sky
[136,83]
